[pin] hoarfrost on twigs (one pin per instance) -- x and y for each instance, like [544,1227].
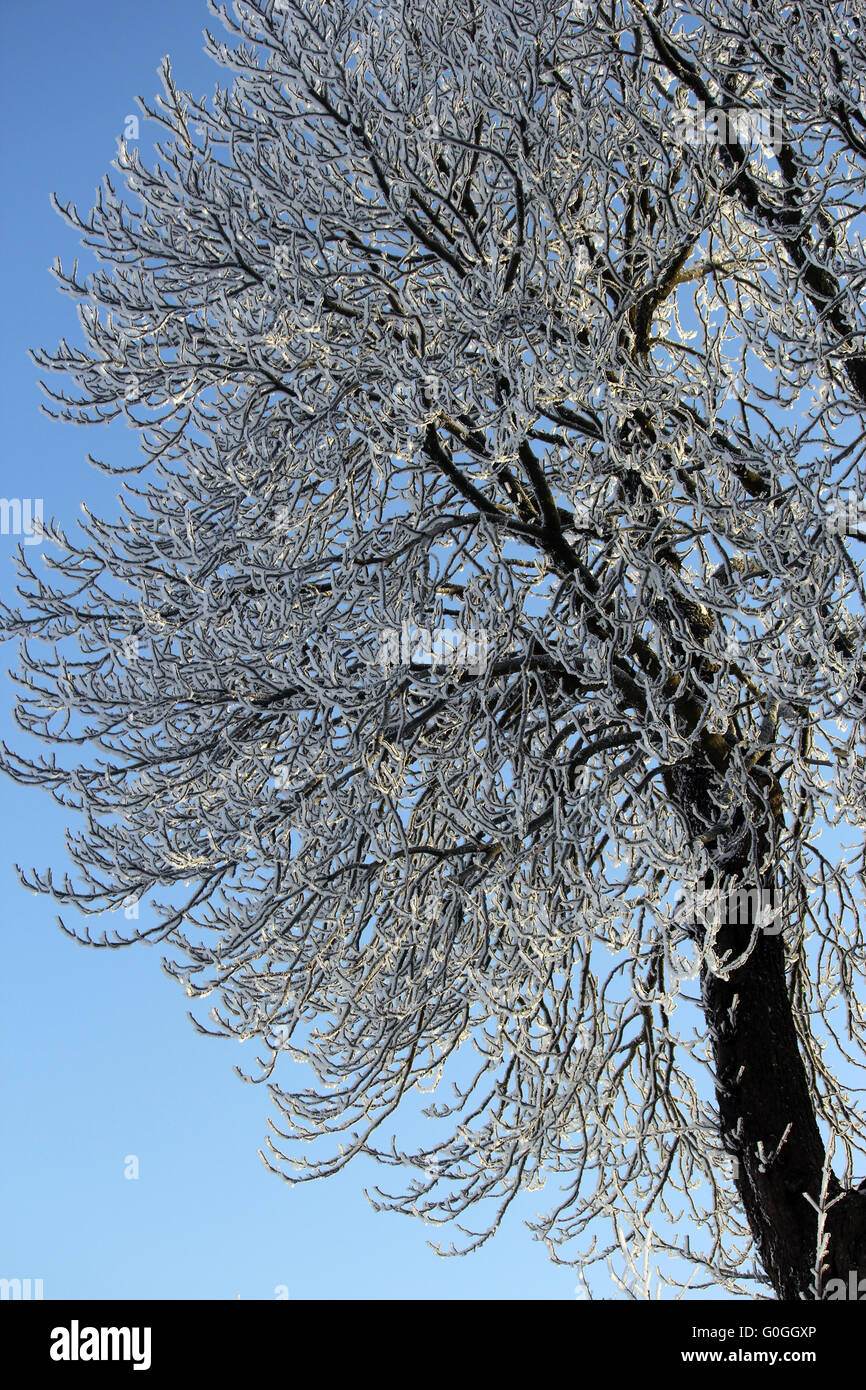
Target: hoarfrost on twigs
[481,591]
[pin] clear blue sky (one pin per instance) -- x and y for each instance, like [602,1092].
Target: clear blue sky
[100,1060]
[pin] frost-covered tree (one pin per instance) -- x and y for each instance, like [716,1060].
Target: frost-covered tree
[474,668]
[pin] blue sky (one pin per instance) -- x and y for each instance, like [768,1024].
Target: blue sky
[101,1061]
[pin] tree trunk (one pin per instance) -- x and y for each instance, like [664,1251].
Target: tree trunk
[762,1086]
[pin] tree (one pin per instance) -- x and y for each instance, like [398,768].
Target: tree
[485,648]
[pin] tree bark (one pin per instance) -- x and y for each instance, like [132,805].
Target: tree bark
[762,1087]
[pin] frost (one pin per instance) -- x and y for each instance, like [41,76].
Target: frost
[494,452]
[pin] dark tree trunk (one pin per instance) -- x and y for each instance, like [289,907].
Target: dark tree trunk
[762,1086]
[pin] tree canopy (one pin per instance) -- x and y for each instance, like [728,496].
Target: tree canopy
[488,616]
